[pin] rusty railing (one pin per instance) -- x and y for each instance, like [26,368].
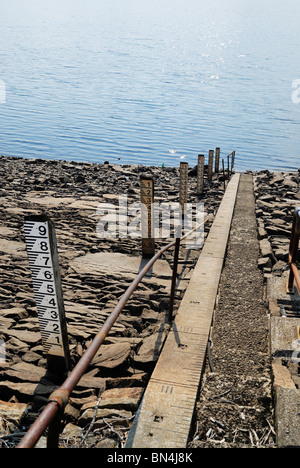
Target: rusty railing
[293,252]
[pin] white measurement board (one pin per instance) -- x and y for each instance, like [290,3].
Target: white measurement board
[43,261]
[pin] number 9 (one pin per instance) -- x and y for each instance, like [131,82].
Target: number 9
[42,230]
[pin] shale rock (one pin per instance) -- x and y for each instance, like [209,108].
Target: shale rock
[95,272]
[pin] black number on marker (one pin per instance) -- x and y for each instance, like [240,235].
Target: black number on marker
[42,230]
[44,246]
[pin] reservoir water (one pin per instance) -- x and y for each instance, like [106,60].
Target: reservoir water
[151,82]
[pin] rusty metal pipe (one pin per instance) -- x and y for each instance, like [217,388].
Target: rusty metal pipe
[60,397]
[56,403]
[174,279]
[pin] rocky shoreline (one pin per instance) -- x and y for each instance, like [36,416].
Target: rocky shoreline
[95,274]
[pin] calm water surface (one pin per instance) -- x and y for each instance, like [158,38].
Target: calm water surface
[151,82]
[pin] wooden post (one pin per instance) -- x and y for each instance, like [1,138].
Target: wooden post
[147,221]
[184,167]
[228,173]
[223,167]
[210,164]
[217,160]
[41,247]
[200,174]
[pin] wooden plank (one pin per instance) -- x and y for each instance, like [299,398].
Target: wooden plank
[165,414]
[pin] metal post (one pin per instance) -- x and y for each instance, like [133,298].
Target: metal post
[232,160]
[42,253]
[223,168]
[54,430]
[174,278]
[182,201]
[210,164]
[293,250]
[228,171]
[147,200]
[217,160]
[200,174]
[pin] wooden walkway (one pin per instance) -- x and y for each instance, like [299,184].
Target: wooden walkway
[165,415]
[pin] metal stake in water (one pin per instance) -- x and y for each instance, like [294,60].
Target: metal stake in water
[42,253]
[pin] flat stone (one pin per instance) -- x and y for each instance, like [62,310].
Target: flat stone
[112,356]
[51,202]
[89,412]
[23,391]
[14,312]
[12,412]
[25,336]
[122,398]
[107,444]
[281,374]
[264,262]
[283,334]
[15,249]
[92,382]
[119,265]
[28,368]
[71,431]
[85,204]
[277,288]
[151,347]
[266,249]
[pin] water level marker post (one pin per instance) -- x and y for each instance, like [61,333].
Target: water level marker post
[228,167]
[147,216]
[200,174]
[41,246]
[184,177]
[217,160]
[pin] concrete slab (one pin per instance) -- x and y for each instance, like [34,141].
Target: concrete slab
[277,288]
[287,417]
[284,335]
[285,346]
